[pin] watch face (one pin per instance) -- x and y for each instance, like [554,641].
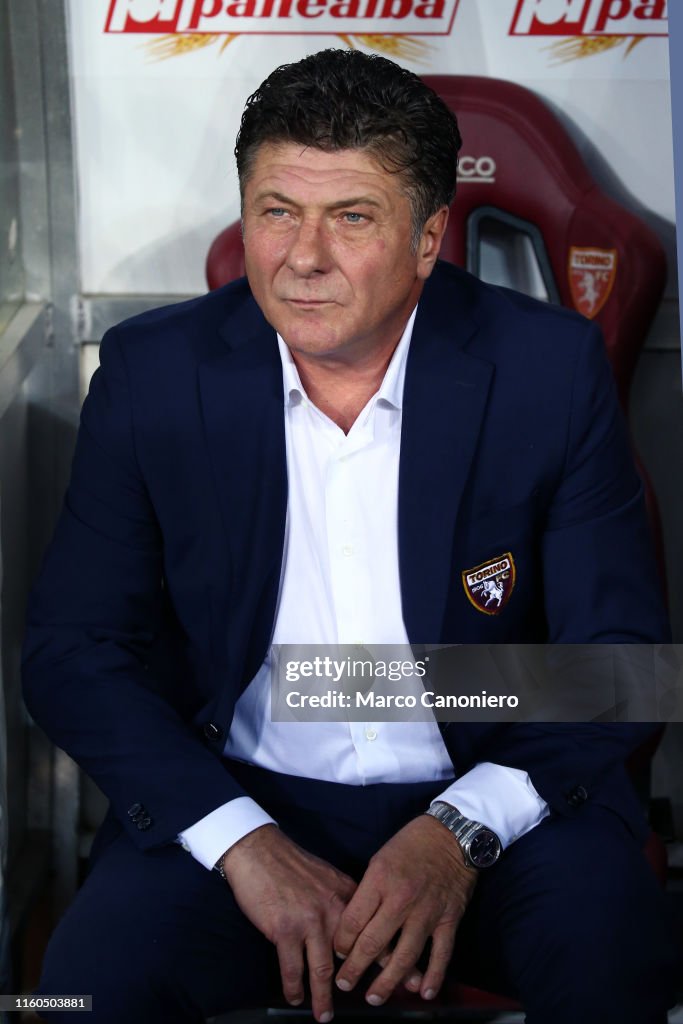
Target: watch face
[484,850]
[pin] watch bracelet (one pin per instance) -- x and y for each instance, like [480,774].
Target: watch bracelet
[218,866]
[463,831]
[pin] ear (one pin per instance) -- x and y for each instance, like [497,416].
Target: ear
[430,242]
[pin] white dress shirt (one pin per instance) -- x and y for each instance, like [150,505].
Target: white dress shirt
[340,585]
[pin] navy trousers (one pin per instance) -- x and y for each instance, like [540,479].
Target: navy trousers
[571,921]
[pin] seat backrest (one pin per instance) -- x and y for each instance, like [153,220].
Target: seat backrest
[225,258]
[519,162]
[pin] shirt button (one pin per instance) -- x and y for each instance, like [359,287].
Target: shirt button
[371,734]
[347,550]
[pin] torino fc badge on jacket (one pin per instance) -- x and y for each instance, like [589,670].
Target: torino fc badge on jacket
[489,585]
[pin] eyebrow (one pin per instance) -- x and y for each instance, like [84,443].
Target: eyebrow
[336,205]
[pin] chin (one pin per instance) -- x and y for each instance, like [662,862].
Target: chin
[309,343]
[307,337]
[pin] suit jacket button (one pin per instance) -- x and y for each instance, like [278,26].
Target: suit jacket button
[135,809]
[144,824]
[577,796]
[212,731]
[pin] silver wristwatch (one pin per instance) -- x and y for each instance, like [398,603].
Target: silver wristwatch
[480,845]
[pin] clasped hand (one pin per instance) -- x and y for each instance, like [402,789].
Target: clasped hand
[415,888]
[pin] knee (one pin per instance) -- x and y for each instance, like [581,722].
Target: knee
[126,982]
[607,964]
[637,957]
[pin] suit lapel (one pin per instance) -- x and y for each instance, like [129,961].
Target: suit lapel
[445,397]
[242,406]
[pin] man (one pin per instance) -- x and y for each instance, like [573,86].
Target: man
[303,457]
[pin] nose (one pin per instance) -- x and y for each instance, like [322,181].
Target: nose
[308,252]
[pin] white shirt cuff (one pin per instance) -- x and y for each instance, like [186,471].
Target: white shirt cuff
[210,837]
[502,798]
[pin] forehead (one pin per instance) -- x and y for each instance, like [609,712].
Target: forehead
[299,171]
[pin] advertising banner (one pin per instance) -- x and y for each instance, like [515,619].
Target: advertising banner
[159,87]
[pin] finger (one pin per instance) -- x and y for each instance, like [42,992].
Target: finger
[347,886]
[320,972]
[443,940]
[414,979]
[383,959]
[290,957]
[338,902]
[368,947]
[412,982]
[360,909]
[401,964]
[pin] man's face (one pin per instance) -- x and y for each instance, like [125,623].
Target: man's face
[327,239]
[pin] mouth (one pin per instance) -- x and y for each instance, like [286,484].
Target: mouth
[312,303]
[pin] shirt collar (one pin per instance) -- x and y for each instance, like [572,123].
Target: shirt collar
[391,388]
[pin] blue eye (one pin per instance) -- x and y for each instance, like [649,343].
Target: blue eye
[277,211]
[354,218]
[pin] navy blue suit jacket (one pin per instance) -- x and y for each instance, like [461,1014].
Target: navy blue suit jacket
[156,600]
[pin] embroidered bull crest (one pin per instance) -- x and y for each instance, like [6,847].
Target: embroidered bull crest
[488,586]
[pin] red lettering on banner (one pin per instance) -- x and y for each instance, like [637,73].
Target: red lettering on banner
[396,8]
[611,10]
[648,9]
[429,17]
[200,11]
[303,5]
[589,17]
[143,16]
[427,10]
[537,17]
[275,9]
[348,10]
[242,9]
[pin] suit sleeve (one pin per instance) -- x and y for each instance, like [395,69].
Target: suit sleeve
[93,617]
[601,583]
[601,586]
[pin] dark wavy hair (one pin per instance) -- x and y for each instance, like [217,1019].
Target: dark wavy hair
[344,99]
